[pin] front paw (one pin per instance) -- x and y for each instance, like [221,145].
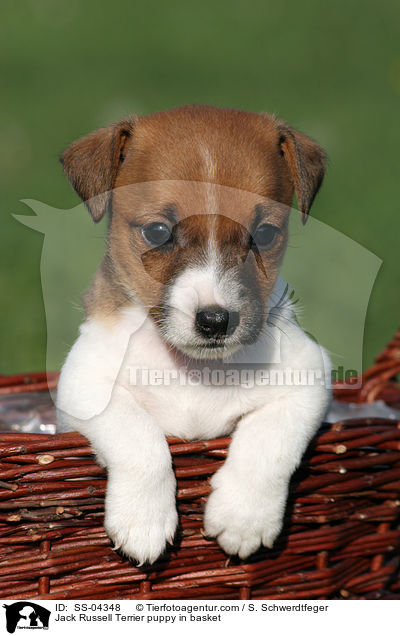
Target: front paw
[241,517]
[140,522]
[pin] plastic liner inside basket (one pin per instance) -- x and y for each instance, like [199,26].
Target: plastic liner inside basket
[28,413]
[349,410]
[34,412]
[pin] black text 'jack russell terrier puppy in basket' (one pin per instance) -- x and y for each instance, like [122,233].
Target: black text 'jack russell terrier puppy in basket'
[198,200]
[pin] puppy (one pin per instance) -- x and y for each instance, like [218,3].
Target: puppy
[198,200]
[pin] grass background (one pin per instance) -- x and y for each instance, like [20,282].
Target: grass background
[330,69]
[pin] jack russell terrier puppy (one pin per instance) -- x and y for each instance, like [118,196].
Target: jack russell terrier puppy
[198,200]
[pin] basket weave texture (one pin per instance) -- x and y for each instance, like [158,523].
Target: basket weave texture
[340,539]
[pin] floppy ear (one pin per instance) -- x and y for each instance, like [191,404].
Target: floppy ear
[92,163]
[306,161]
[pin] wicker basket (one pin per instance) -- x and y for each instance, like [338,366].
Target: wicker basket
[340,539]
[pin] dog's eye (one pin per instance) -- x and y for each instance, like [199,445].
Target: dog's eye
[265,236]
[157,234]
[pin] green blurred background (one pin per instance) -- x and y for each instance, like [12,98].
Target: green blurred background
[330,69]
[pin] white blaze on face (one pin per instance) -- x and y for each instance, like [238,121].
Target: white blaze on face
[211,198]
[198,287]
[211,187]
[195,288]
[206,282]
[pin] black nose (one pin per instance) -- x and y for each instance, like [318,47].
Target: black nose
[215,322]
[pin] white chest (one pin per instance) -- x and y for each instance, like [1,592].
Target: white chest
[200,402]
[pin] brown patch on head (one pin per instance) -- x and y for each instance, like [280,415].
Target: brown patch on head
[212,175]
[201,143]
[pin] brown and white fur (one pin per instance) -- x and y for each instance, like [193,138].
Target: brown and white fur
[213,177]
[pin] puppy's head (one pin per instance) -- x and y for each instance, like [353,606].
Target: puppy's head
[199,199]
